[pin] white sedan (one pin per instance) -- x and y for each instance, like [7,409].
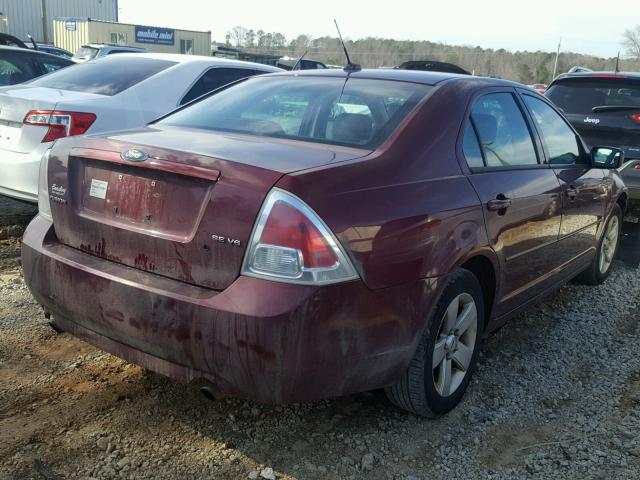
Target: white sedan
[117,92]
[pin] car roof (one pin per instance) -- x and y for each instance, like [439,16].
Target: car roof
[182,58]
[114,47]
[414,76]
[29,51]
[602,74]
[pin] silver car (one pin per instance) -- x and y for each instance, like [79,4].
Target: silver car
[113,93]
[93,51]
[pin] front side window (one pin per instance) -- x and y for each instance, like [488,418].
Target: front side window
[51,66]
[560,140]
[504,136]
[105,76]
[351,112]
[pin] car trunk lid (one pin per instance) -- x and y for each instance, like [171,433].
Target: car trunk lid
[185,216]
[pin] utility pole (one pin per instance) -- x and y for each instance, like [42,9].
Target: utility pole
[45,33]
[618,62]
[555,65]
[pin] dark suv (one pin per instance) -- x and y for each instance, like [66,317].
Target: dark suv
[605,109]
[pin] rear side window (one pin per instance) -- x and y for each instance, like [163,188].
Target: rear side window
[560,140]
[471,148]
[352,112]
[86,53]
[215,78]
[106,76]
[581,95]
[16,68]
[504,136]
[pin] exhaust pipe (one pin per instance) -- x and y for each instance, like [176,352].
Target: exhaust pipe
[209,392]
[55,327]
[52,322]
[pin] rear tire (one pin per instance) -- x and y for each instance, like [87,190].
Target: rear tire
[447,353]
[600,267]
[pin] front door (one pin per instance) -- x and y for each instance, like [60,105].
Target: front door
[584,189]
[520,196]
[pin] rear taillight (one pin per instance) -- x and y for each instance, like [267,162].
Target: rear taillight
[61,124]
[290,243]
[44,204]
[637,166]
[636,117]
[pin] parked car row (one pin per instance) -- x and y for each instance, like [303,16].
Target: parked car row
[604,107]
[298,235]
[115,92]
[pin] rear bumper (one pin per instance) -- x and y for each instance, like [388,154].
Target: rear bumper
[258,339]
[19,173]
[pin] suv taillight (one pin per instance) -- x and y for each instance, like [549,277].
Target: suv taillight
[290,243]
[636,117]
[61,124]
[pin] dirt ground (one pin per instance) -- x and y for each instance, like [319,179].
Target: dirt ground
[557,395]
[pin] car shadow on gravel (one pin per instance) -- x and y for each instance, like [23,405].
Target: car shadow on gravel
[553,397]
[14,212]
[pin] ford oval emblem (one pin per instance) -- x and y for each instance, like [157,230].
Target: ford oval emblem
[134,155]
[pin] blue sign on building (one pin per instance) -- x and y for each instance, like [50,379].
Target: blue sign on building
[157,36]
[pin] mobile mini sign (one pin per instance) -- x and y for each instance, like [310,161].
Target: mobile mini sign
[157,36]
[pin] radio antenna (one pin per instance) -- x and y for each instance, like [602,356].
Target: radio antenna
[351,67]
[299,61]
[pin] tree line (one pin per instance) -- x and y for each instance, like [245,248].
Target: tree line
[372,52]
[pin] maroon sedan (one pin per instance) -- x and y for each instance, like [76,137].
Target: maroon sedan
[307,235]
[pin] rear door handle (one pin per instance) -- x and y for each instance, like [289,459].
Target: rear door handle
[498,203]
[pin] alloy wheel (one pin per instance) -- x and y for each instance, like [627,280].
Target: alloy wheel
[454,347]
[609,244]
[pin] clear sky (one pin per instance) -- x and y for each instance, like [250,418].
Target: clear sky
[586,26]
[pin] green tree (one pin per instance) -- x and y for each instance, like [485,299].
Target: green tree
[237,35]
[525,75]
[250,38]
[631,41]
[543,74]
[278,40]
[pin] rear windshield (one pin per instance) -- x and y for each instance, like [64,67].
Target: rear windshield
[353,112]
[105,76]
[85,53]
[581,95]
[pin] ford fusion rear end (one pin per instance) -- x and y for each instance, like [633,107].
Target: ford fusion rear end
[185,248]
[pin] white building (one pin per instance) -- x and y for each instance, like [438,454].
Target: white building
[72,33]
[35,17]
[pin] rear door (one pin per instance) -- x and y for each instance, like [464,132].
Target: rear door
[604,109]
[584,189]
[520,195]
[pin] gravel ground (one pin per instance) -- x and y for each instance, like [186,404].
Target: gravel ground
[557,395]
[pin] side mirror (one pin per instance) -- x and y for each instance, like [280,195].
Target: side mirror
[606,157]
